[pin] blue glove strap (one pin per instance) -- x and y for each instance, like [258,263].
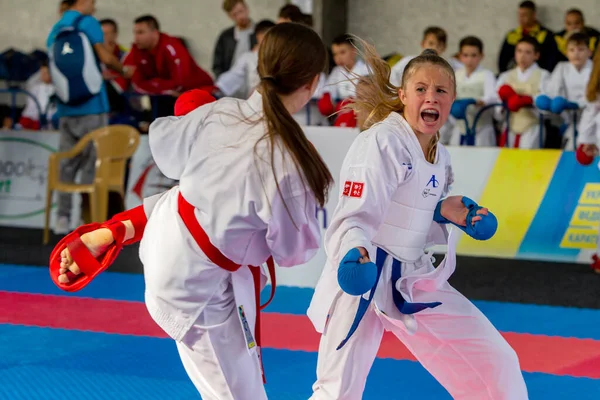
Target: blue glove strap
[437,214]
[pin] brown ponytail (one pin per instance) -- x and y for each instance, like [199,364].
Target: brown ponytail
[290,57]
[376,97]
[593,86]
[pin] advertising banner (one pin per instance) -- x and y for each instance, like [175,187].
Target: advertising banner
[23,174]
[548,206]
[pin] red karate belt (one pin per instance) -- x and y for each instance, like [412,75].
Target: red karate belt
[186,211]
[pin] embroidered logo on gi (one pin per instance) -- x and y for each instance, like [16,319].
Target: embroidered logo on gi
[357,189]
[434,182]
[427,192]
[347,187]
[409,165]
[353,189]
[249,337]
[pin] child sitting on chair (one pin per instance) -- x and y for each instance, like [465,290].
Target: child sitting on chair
[518,87]
[478,83]
[569,80]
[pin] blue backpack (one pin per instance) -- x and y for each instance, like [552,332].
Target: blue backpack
[74,67]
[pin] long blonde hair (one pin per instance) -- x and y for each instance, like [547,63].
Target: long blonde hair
[376,97]
[593,86]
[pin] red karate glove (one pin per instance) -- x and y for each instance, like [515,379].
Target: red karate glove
[506,92]
[325,105]
[582,157]
[516,102]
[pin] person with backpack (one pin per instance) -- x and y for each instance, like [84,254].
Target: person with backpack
[76,51]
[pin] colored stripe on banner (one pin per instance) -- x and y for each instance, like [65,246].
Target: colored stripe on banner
[513,193]
[567,220]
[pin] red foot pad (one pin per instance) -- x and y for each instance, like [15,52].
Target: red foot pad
[90,266]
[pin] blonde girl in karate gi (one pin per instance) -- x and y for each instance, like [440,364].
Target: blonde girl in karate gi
[249,184]
[392,206]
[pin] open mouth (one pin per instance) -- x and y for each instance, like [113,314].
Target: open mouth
[430,115]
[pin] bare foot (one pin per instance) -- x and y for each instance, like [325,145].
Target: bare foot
[97,243]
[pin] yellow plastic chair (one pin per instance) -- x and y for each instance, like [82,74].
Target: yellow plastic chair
[114,145]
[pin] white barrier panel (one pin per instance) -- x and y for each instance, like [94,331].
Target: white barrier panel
[145,179]
[23,174]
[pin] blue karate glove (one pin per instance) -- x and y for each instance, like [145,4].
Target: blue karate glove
[543,102]
[355,278]
[560,104]
[459,108]
[482,230]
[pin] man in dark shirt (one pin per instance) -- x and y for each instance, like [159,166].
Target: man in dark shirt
[529,25]
[574,22]
[234,41]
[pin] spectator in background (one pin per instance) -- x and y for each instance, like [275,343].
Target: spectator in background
[434,38]
[569,80]
[528,80]
[574,23]
[243,75]
[234,41]
[77,120]
[340,86]
[111,36]
[114,92]
[163,66]
[42,89]
[478,83]
[529,26]
[290,13]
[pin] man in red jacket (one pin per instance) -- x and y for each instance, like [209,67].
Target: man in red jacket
[163,66]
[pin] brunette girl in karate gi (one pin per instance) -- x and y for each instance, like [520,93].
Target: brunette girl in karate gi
[249,184]
[392,206]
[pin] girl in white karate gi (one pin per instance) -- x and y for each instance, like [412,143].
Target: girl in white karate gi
[249,184]
[378,277]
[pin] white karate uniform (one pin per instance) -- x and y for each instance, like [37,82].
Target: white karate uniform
[455,342]
[42,93]
[570,83]
[589,133]
[242,77]
[207,310]
[446,131]
[530,137]
[341,83]
[480,85]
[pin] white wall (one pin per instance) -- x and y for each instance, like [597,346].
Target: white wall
[397,25]
[24,24]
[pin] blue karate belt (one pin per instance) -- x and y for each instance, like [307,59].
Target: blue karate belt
[402,305]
